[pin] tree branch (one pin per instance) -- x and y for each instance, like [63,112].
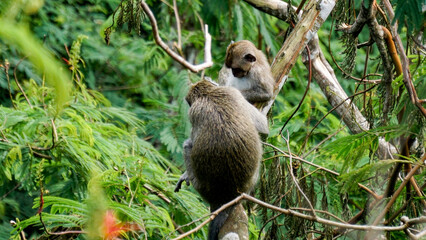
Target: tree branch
[276,8]
[406,222]
[405,64]
[398,191]
[312,19]
[207,47]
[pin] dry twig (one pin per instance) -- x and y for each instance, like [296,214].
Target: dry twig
[207,47]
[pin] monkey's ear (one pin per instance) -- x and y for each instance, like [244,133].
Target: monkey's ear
[249,57]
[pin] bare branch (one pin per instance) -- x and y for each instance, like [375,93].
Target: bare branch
[276,8]
[19,85]
[301,159]
[417,236]
[296,182]
[318,167]
[406,224]
[6,72]
[212,216]
[207,47]
[175,9]
[398,191]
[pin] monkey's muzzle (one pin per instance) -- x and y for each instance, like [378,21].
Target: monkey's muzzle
[238,72]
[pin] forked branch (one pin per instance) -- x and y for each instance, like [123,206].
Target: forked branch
[207,46]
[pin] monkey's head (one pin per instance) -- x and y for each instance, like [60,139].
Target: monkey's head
[198,90]
[240,57]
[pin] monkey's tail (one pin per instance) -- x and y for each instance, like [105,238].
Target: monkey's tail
[218,222]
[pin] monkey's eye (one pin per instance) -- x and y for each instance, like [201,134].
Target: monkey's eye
[238,72]
[250,57]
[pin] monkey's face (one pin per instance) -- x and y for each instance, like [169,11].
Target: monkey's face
[243,67]
[240,57]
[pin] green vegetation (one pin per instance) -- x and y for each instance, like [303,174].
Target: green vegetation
[91,133]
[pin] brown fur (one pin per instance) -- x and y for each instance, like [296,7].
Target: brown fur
[224,152]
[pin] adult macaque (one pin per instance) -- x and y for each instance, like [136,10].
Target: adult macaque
[223,154]
[247,69]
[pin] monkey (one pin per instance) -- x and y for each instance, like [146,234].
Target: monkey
[223,153]
[247,69]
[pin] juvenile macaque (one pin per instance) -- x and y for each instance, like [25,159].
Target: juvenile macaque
[223,154]
[247,69]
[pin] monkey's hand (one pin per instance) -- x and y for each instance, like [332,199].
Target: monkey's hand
[182,178]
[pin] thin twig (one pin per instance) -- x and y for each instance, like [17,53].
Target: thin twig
[179,228]
[337,64]
[323,141]
[4,136]
[267,221]
[320,211]
[212,216]
[296,182]
[418,191]
[418,44]
[375,196]
[175,9]
[6,72]
[159,194]
[19,85]
[334,108]
[317,166]
[304,94]
[13,189]
[130,188]
[207,46]
[301,159]
[417,236]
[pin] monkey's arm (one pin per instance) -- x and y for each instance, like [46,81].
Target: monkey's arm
[260,121]
[260,91]
[188,175]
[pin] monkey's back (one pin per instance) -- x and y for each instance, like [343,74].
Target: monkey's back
[225,157]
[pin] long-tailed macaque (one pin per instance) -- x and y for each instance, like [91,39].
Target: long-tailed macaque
[223,154]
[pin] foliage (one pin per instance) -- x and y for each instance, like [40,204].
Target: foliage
[88,138]
[113,152]
[411,14]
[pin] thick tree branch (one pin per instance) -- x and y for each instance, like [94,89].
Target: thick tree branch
[324,75]
[311,20]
